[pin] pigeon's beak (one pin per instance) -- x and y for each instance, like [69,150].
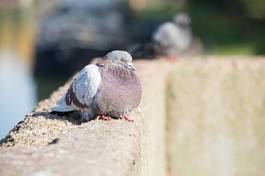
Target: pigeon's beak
[130,66]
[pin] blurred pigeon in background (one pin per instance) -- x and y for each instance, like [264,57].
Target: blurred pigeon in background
[109,88]
[173,38]
[170,39]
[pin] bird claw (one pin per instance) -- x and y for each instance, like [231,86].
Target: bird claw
[104,117]
[172,58]
[108,118]
[127,118]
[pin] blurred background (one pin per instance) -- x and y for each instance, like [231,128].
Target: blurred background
[42,43]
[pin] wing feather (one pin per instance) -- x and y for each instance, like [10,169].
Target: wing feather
[82,90]
[87,84]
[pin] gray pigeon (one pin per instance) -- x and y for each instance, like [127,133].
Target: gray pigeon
[173,38]
[108,88]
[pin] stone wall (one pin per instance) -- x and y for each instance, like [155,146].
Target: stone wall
[217,118]
[197,117]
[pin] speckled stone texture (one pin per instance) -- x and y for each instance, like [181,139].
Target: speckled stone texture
[45,144]
[217,118]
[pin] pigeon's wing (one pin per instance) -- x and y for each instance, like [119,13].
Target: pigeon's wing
[82,90]
[166,38]
[166,33]
[87,84]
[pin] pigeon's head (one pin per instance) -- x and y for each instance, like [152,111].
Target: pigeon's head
[182,19]
[121,58]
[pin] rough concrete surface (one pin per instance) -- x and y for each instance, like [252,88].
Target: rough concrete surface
[45,144]
[217,118]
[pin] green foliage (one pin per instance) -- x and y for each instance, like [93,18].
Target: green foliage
[254,8]
[238,49]
[223,33]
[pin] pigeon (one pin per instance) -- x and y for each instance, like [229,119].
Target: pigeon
[168,40]
[173,38]
[106,89]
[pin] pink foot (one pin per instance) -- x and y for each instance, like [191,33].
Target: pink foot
[127,118]
[172,58]
[103,117]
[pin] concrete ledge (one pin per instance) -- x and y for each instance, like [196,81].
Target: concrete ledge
[217,118]
[214,111]
[45,144]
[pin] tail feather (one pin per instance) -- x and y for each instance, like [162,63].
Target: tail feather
[61,106]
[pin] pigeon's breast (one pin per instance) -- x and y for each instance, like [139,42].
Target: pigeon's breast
[120,92]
